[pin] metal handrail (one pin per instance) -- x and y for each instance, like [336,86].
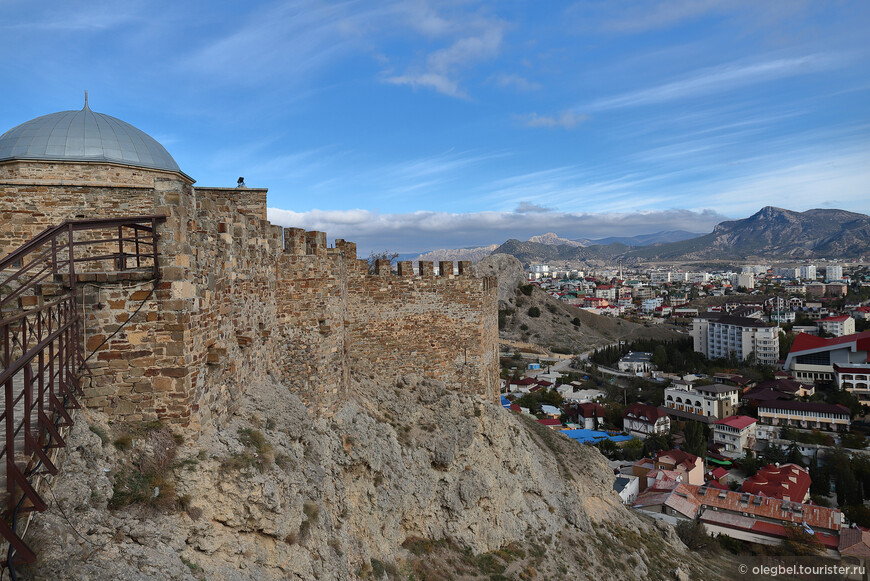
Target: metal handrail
[41,351]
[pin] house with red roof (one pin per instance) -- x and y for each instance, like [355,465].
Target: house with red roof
[551,423]
[861,313]
[786,482]
[743,516]
[734,435]
[837,326]
[689,465]
[644,420]
[812,358]
[589,415]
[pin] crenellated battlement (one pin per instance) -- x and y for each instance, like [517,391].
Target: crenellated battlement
[241,298]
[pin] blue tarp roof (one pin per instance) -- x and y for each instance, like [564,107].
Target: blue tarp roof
[592,436]
[504,402]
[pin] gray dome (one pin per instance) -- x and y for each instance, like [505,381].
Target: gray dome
[84,136]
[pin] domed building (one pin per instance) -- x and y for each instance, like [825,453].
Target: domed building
[83,164]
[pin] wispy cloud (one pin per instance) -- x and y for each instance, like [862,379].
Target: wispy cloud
[565,120]
[421,231]
[443,67]
[515,82]
[529,208]
[718,79]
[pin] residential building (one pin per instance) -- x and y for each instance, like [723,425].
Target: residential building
[833,273]
[743,280]
[705,403]
[658,277]
[689,466]
[717,335]
[742,516]
[785,482]
[808,272]
[861,313]
[588,415]
[782,317]
[627,487]
[836,289]
[837,326]
[650,305]
[855,379]
[606,291]
[812,358]
[816,289]
[636,362]
[734,435]
[807,415]
[644,420]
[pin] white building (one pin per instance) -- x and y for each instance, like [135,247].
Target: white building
[706,401]
[833,273]
[813,358]
[855,379]
[660,277]
[718,336]
[808,272]
[636,362]
[735,435]
[744,280]
[644,420]
[805,414]
[837,326]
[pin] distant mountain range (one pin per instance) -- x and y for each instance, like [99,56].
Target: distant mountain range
[769,233]
[551,239]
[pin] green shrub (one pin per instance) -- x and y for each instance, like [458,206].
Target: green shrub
[534,312]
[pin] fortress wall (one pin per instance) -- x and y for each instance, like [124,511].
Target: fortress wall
[241,299]
[250,201]
[443,327]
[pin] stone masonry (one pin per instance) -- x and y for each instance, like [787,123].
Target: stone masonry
[240,298]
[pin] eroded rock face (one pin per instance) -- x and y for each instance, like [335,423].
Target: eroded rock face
[275,494]
[509,271]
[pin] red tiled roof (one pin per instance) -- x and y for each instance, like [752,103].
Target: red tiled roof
[805,341]
[738,422]
[788,480]
[806,406]
[837,319]
[719,472]
[591,410]
[516,407]
[525,381]
[550,422]
[639,411]
[678,457]
[772,508]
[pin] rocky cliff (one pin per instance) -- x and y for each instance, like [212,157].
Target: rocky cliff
[407,481]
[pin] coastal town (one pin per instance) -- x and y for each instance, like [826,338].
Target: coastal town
[748,425]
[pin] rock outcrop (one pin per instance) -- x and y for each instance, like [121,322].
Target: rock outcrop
[407,481]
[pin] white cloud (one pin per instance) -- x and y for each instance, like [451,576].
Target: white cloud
[515,82]
[720,78]
[566,120]
[421,231]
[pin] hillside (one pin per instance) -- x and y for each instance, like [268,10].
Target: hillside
[775,232]
[472,254]
[559,326]
[769,233]
[408,480]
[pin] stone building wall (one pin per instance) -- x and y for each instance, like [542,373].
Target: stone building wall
[240,298]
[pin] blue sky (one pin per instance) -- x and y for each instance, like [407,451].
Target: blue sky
[410,125]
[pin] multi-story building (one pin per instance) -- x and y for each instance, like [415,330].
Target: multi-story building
[734,435]
[855,379]
[746,280]
[816,289]
[833,272]
[807,415]
[837,326]
[813,358]
[660,277]
[606,291]
[636,362]
[645,420]
[705,403]
[782,316]
[650,305]
[691,467]
[808,272]
[717,335]
[785,482]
